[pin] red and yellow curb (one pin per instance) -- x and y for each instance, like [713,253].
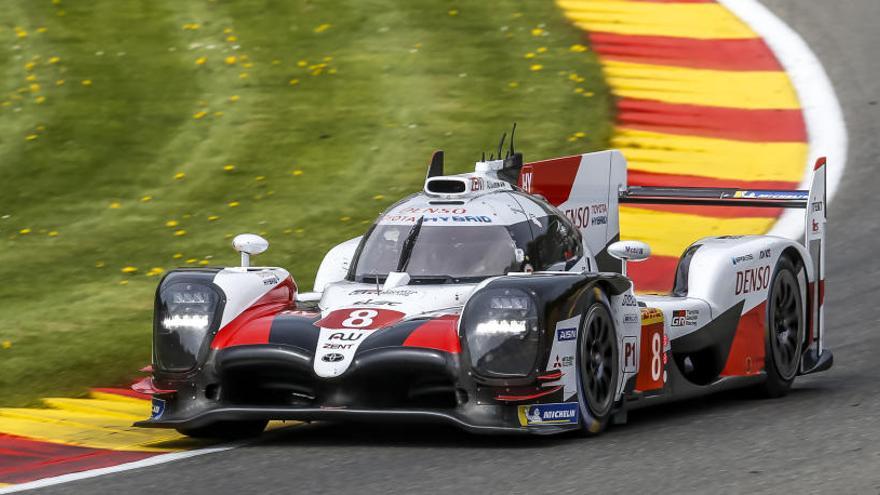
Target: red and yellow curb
[702,101]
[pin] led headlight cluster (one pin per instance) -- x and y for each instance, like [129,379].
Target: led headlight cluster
[502,331]
[185,313]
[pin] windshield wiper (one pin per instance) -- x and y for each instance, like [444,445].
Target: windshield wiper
[408,244]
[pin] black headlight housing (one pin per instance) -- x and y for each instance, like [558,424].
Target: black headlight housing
[503,332]
[188,311]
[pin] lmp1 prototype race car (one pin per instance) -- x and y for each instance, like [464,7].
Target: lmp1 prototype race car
[496,301]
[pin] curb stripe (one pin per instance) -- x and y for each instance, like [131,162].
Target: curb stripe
[714,88]
[747,54]
[696,20]
[741,124]
[718,158]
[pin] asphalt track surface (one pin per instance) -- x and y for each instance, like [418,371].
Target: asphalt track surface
[823,437]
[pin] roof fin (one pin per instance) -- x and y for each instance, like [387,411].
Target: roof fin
[435,169]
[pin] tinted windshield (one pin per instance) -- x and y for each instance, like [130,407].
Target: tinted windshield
[444,253]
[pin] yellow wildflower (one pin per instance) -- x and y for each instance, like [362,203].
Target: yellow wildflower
[297,172]
[243,75]
[21,33]
[299,231]
[87,82]
[227,30]
[276,61]
[536,67]
[34,87]
[378,197]
[42,29]
[24,231]
[233,204]
[294,82]
[201,60]
[537,31]
[541,49]
[302,63]
[204,262]
[40,99]
[260,178]
[53,233]
[218,114]
[129,269]
[179,176]
[177,256]
[578,48]
[453,12]
[234,98]
[513,84]
[229,168]
[99,264]
[580,134]
[213,218]
[323,27]
[155,271]
[54,60]
[6,344]
[29,66]
[146,198]
[172,223]
[123,282]
[231,60]
[529,55]
[200,114]
[115,205]
[232,38]
[30,78]
[59,82]
[180,233]
[344,219]
[192,260]
[31,137]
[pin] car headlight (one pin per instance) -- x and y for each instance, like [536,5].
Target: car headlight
[185,312]
[502,332]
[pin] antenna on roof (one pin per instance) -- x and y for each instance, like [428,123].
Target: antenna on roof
[484,157]
[501,144]
[512,132]
[513,162]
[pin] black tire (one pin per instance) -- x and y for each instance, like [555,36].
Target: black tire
[227,430]
[783,341]
[597,364]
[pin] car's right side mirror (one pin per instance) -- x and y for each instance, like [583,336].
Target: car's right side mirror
[629,251]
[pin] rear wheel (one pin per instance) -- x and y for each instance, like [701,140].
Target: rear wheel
[226,430]
[597,365]
[785,330]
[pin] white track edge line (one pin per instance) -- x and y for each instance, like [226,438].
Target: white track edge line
[92,473]
[826,128]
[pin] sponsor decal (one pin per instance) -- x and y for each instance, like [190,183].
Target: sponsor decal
[337,347]
[376,302]
[526,178]
[158,408]
[333,357]
[631,318]
[392,292]
[563,362]
[476,184]
[741,259]
[564,413]
[269,278]
[584,216]
[752,279]
[766,253]
[346,336]
[685,317]
[634,250]
[770,195]
[630,355]
[629,300]
[817,205]
[439,219]
[815,226]
[651,316]
[563,334]
[413,210]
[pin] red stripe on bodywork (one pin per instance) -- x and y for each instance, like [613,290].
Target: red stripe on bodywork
[23,460]
[713,122]
[253,324]
[552,179]
[746,355]
[520,398]
[749,54]
[123,392]
[440,333]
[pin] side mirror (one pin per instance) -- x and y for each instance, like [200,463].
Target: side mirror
[249,245]
[629,251]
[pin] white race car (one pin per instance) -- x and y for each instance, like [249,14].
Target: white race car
[497,301]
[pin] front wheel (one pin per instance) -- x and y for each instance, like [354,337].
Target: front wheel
[226,430]
[598,363]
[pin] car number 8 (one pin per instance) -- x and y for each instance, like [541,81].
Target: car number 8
[656,361]
[360,318]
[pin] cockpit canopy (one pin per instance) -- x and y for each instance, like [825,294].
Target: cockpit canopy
[468,240]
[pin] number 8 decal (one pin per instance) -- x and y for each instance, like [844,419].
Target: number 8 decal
[656,357]
[360,318]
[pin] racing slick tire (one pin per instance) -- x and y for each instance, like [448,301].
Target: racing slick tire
[597,364]
[227,430]
[785,330]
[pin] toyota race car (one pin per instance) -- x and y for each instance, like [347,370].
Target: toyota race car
[497,301]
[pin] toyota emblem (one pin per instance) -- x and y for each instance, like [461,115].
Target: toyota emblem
[333,357]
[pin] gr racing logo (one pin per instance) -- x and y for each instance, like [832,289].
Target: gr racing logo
[565,413]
